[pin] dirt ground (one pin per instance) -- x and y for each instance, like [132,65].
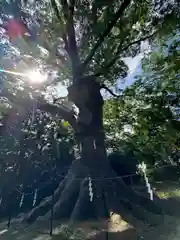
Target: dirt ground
[114,229]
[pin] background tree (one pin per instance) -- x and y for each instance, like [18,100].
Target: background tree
[37,161]
[146,121]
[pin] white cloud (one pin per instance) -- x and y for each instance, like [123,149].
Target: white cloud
[134,65]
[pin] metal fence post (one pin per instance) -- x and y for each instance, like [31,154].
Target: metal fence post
[106,209]
[10,210]
[52,214]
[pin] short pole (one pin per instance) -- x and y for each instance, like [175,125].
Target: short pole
[106,210]
[9,220]
[10,211]
[52,213]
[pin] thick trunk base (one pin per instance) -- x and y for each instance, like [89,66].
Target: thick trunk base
[72,201]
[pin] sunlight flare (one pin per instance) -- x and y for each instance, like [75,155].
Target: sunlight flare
[36,76]
[33,76]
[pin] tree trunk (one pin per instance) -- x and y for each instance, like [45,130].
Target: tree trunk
[110,193]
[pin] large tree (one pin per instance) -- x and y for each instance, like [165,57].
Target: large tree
[87,41]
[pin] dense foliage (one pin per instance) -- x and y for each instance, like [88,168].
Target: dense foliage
[146,118]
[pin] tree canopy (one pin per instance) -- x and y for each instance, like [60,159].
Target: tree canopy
[97,34]
[65,36]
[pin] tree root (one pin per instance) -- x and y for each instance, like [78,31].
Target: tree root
[44,206]
[65,204]
[137,199]
[71,200]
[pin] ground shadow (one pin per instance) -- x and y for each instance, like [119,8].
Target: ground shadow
[128,234]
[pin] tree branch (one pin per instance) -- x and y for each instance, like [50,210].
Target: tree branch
[72,45]
[69,33]
[42,104]
[71,7]
[94,12]
[102,37]
[119,50]
[58,109]
[64,36]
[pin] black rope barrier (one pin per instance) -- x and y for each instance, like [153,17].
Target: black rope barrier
[104,198]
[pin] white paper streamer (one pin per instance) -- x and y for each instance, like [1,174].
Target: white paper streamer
[151,195]
[90,190]
[142,168]
[148,187]
[146,179]
[22,200]
[35,198]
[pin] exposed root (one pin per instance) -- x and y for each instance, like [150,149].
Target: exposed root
[67,190]
[65,205]
[45,205]
[82,200]
[137,199]
[71,200]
